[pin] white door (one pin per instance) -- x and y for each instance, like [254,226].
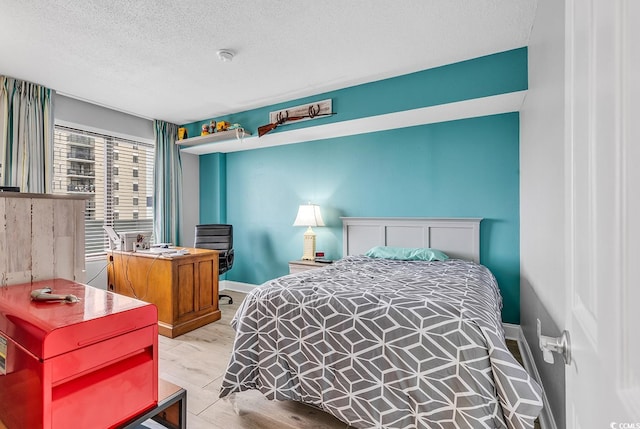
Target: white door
[603,212]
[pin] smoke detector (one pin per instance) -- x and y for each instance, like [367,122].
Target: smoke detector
[225,55]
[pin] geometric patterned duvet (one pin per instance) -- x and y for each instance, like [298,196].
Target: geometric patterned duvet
[384,344]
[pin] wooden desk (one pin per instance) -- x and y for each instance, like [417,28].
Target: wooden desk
[184,288]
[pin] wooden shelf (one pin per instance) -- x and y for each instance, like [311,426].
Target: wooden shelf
[485,106]
[213,138]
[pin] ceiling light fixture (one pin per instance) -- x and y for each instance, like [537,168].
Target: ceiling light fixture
[225,55]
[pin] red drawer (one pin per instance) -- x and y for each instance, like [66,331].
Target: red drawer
[87,364]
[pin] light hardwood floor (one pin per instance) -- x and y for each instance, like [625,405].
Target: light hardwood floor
[197,360]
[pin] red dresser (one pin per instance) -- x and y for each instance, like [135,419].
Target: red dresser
[89,364]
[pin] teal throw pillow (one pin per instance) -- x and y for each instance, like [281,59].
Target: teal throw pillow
[407,253]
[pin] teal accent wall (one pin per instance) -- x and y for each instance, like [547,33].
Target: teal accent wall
[464,168]
[213,188]
[480,77]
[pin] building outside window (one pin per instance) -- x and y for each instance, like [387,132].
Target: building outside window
[84,164]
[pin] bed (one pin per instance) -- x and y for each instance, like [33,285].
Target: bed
[383,343]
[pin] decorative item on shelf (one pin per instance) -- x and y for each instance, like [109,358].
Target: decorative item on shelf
[205,130]
[299,113]
[222,126]
[212,127]
[182,133]
[237,133]
[240,133]
[309,215]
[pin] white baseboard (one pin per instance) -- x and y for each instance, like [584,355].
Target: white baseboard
[236,286]
[511,331]
[514,332]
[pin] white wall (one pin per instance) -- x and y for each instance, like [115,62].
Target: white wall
[542,161]
[542,195]
[91,117]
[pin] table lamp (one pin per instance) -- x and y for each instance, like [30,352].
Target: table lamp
[309,215]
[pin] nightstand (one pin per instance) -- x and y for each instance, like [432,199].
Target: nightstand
[300,265]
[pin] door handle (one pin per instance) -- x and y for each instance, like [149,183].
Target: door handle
[551,345]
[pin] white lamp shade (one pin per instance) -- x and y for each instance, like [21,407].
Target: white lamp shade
[309,215]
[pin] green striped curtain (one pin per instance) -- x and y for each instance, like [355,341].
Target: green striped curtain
[26,135]
[167,180]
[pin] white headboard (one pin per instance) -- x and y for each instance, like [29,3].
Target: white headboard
[457,237]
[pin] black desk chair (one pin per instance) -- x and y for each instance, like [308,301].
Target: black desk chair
[217,237]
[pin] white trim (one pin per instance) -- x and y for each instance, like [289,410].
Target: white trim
[514,332]
[484,106]
[236,286]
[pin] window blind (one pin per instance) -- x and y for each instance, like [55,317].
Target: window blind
[115,173]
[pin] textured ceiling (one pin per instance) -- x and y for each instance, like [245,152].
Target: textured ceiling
[157,58]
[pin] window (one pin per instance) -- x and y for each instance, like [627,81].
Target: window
[84,164]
